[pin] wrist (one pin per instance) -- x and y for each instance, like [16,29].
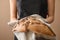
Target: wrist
[12,19]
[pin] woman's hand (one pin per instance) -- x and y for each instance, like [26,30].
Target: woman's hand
[13,13]
[51,10]
[22,25]
[12,23]
[50,19]
[19,28]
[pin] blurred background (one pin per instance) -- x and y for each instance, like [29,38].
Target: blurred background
[5,30]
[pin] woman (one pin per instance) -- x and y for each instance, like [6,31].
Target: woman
[24,8]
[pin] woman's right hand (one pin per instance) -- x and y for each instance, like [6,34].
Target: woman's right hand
[12,23]
[21,26]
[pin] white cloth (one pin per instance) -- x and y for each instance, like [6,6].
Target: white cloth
[25,36]
[20,35]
